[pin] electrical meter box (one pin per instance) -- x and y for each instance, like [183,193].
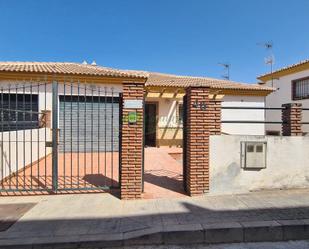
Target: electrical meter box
[253,155]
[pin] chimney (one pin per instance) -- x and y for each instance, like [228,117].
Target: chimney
[93,63]
[84,62]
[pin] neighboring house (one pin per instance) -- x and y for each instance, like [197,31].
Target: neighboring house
[292,86]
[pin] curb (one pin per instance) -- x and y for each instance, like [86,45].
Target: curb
[215,233]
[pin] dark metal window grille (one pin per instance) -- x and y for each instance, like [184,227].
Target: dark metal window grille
[180,113]
[300,89]
[19,111]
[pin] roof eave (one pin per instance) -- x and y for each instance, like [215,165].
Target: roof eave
[9,75]
[284,72]
[230,91]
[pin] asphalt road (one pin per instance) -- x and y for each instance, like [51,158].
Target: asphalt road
[263,245]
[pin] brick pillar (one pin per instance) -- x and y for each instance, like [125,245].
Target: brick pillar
[291,118]
[214,107]
[199,114]
[132,144]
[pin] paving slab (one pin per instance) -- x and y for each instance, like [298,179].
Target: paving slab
[104,220]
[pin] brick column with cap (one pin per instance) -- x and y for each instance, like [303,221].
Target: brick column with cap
[291,118]
[199,120]
[132,144]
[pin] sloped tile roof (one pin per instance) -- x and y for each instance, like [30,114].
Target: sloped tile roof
[169,80]
[68,68]
[153,79]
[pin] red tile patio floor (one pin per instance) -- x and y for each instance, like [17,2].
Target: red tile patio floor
[163,174]
[75,170]
[162,178]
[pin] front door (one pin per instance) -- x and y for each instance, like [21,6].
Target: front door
[150,124]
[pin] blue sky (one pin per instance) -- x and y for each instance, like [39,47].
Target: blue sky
[187,37]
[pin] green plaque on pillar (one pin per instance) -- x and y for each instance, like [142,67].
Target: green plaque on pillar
[132,117]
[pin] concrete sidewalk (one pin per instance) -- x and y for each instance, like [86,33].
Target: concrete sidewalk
[101,220]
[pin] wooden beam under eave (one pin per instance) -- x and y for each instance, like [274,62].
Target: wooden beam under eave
[180,95]
[236,92]
[153,95]
[216,96]
[165,89]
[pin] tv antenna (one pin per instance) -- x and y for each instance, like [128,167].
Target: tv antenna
[226,67]
[270,59]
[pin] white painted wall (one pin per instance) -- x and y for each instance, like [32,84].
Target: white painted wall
[168,118]
[167,111]
[286,165]
[17,150]
[283,95]
[252,115]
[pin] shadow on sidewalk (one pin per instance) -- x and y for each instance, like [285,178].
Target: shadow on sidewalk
[122,223]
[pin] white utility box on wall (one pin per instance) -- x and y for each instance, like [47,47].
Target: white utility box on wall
[253,155]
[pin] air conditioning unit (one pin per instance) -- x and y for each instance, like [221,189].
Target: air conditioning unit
[253,155]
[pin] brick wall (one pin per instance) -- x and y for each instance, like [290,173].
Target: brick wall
[291,118]
[214,107]
[132,145]
[198,131]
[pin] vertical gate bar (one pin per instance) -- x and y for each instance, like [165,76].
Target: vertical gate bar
[9,128]
[2,122]
[78,133]
[71,86]
[16,134]
[143,144]
[85,130]
[24,134]
[45,131]
[105,100]
[99,105]
[112,139]
[120,138]
[55,136]
[64,127]
[38,136]
[31,119]
[91,130]
[184,143]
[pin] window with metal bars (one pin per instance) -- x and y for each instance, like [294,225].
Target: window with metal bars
[300,89]
[18,112]
[180,113]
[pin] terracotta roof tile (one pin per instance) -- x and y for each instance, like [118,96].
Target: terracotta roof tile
[169,80]
[68,68]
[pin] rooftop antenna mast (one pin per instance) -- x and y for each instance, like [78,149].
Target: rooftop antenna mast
[270,59]
[226,67]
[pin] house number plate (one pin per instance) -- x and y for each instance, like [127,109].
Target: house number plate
[133,104]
